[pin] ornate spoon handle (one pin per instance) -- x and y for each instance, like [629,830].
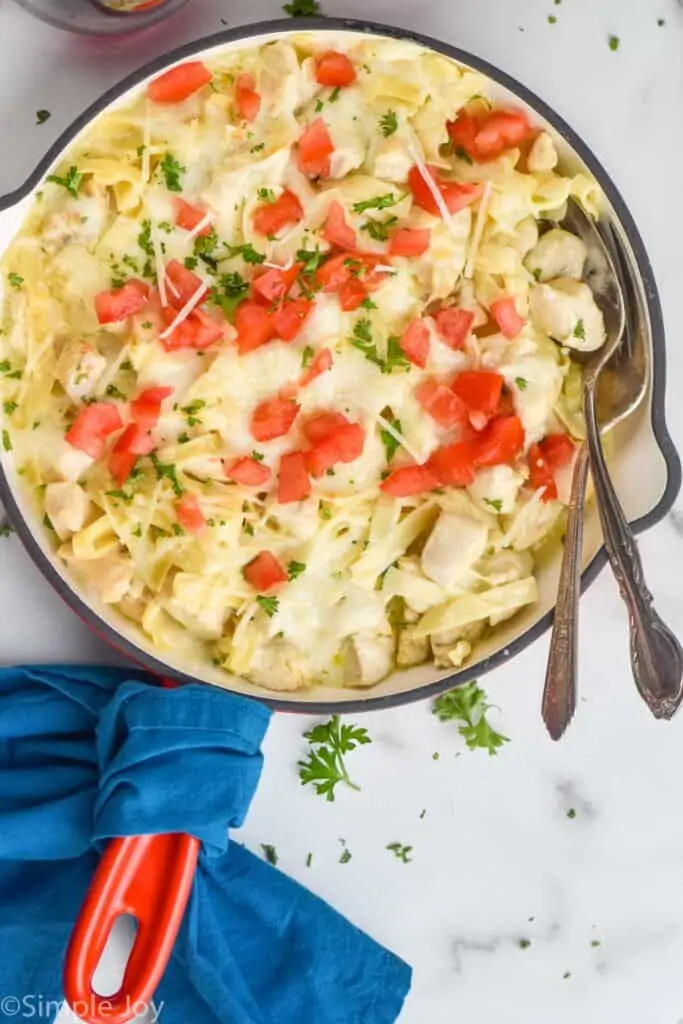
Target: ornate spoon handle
[559,692]
[656,655]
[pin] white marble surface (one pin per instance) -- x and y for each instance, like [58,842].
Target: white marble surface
[496,858]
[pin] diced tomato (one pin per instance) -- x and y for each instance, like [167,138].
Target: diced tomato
[409,480]
[264,572]
[506,405]
[558,450]
[270,218]
[146,408]
[455,464]
[441,404]
[334,69]
[290,316]
[480,390]
[176,85]
[121,303]
[188,217]
[344,444]
[336,231]
[181,283]
[415,342]
[500,442]
[322,425]
[273,418]
[254,326]
[120,465]
[190,515]
[334,272]
[456,195]
[352,294]
[501,130]
[247,99]
[504,312]
[133,442]
[409,241]
[322,361]
[248,471]
[540,474]
[198,330]
[293,482]
[454,325]
[463,133]
[274,283]
[92,425]
[315,149]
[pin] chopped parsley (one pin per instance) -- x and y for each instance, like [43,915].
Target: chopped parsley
[6,441]
[462,154]
[15,279]
[71,181]
[345,856]
[661,22]
[401,852]
[524,943]
[191,410]
[120,495]
[325,767]
[522,383]
[391,445]
[319,106]
[183,438]
[258,148]
[190,262]
[270,853]
[579,330]
[378,203]
[362,340]
[395,357]
[295,569]
[388,123]
[571,813]
[495,503]
[307,356]
[145,238]
[468,705]
[248,529]
[309,860]
[595,943]
[47,522]
[247,252]
[167,471]
[42,116]
[614,43]
[228,293]
[552,20]
[7,371]
[5,529]
[111,391]
[267,195]
[367,303]
[334,95]
[9,407]
[302,8]
[257,456]
[379,229]
[311,259]
[269,604]
[171,169]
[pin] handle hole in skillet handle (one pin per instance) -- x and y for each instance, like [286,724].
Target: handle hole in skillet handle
[108,976]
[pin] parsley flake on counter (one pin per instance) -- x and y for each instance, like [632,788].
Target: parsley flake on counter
[661,22]
[552,20]
[524,943]
[295,569]
[595,943]
[345,856]
[614,43]
[172,170]
[42,116]
[401,852]
[325,767]
[302,8]
[571,813]
[377,203]
[270,853]
[5,530]
[269,604]
[309,860]
[468,705]
[388,123]
[71,181]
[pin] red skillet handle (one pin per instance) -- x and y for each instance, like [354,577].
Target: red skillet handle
[149,877]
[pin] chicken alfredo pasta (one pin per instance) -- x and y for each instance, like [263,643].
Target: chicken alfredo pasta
[285,361]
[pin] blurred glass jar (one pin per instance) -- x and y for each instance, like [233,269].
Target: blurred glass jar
[101,17]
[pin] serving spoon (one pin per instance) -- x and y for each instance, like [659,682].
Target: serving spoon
[614,383]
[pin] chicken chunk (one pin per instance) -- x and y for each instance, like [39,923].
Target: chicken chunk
[369,658]
[566,310]
[392,160]
[454,545]
[79,368]
[67,507]
[557,254]
[542,155]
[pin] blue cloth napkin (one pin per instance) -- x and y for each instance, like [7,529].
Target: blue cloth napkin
[87,753]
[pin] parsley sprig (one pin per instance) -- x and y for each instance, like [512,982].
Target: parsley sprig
[395,358]
[71,181]
[388,123]
[468,705]
[325,767]
[172,170]
[377,203]
[302,8]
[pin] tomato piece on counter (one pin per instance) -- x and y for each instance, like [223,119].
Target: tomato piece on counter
[188,217]
[501,130]
[335,230]
[409,480]
[146,408]
[254,326]
[92,425]
[190,515]
[248,471]
[274,283]
[273,418]
[322,361]
[504,312]
[334,69]
[409,241]
[454,464]
[293,482]
[454,325]
[314,149]
[415,342]
[290,316]
[264,572]
[558,450]
[176,85]
[270,218]
[247,99]
[500,442]
[322,425]
[540,474]
[481,392]
[120,303]
[442,405]
[456,195]
[181,284]
[463,134]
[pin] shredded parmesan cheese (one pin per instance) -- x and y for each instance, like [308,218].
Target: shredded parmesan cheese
[478,229]
[159,267]
[205,222]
